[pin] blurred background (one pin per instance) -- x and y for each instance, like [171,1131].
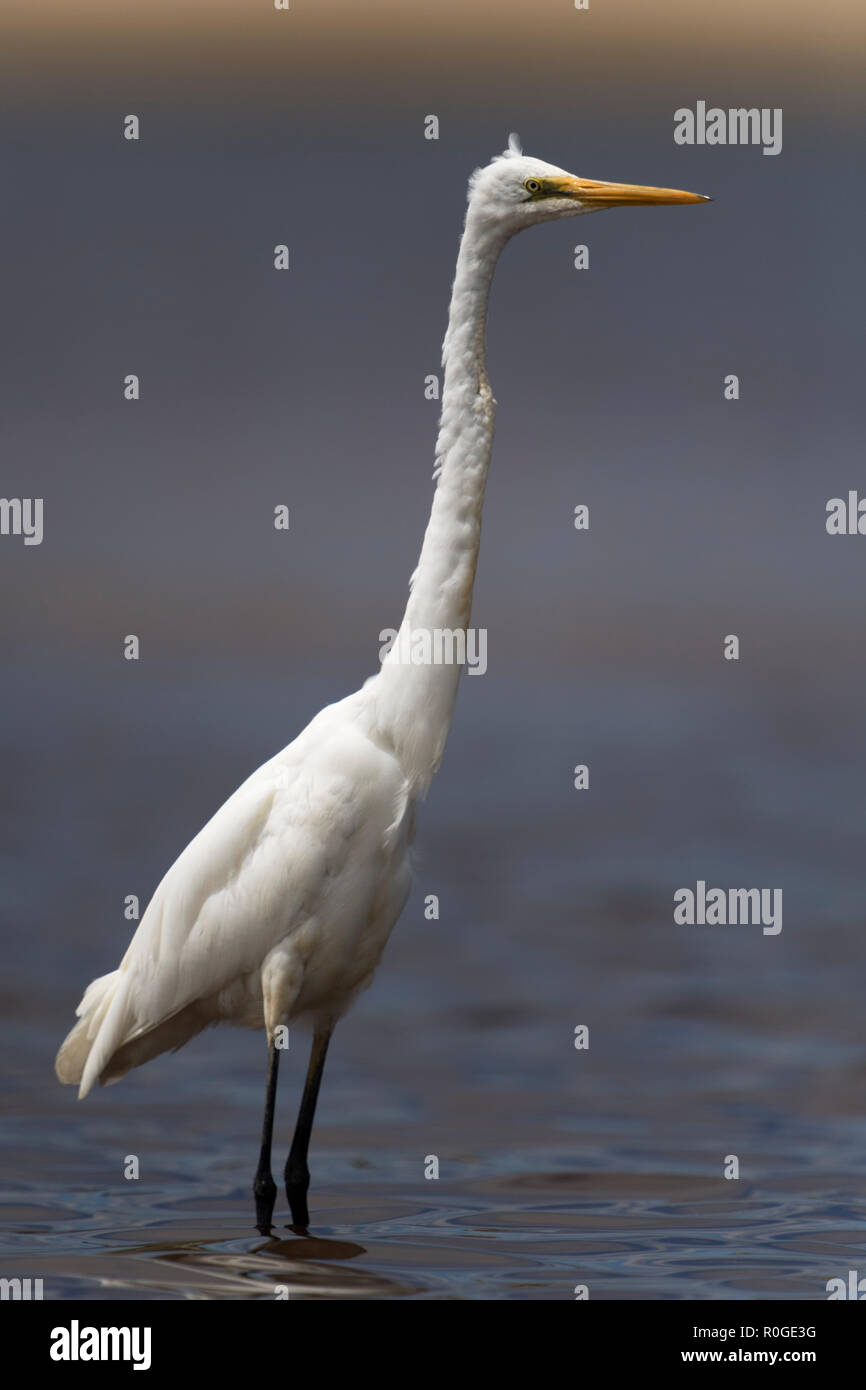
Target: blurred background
[306,388]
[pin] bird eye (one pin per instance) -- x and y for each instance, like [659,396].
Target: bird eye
[532,185]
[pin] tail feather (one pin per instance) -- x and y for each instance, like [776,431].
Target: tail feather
[106,1043]
[71,1060]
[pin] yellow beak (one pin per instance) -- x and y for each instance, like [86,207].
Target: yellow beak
[597,194]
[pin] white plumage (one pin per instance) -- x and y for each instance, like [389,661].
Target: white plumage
[281,906]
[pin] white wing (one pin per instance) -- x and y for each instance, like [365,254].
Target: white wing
[290,868]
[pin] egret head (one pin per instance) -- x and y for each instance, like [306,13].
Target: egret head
[516,191]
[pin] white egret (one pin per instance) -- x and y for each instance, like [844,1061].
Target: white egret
[281,906]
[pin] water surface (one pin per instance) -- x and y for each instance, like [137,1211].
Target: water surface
[557,1167]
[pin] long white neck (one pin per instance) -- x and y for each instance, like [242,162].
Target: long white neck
[415,701]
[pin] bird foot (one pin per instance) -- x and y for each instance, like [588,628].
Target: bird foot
[297,1195]
[265,1193]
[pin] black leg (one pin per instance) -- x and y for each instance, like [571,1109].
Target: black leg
[297,1172]
[264,1187]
